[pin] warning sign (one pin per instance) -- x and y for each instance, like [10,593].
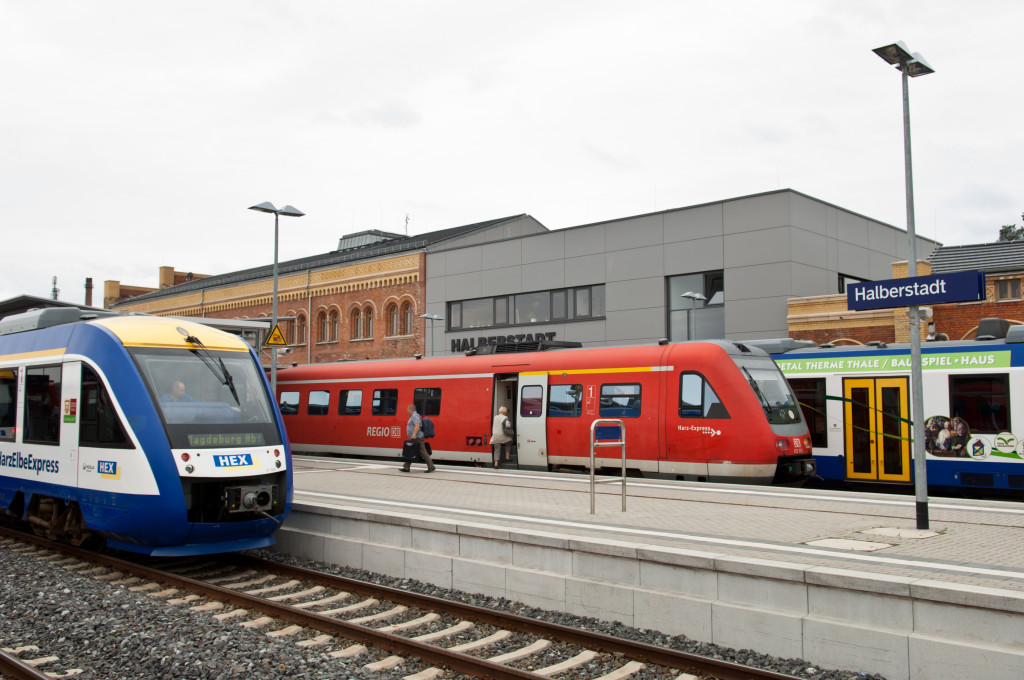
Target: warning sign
[276,338]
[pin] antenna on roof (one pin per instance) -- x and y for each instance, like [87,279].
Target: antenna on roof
[56,291]
[406,224]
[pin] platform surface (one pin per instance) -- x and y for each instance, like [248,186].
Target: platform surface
[973,542]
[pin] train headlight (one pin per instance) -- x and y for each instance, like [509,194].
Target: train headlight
[277,463]
[189,469]
[782,445]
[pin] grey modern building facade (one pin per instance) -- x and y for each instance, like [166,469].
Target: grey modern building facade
[623,281]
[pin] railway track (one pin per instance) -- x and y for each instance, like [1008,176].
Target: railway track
[396,632]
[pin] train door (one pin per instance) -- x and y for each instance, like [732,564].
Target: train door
[877,423]
[531,428]
[71,388]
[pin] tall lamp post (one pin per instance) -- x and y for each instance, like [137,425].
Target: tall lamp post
[912,65]
[432,318]
[693,311]
[287,211]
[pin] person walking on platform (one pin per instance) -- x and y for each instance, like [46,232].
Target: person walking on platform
[501,436]
[414,431]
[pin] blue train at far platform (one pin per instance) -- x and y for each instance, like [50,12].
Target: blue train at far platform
[856,401]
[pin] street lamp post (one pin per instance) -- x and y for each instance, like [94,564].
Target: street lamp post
[432,318]
[287,211]
[912,65]
[693,311]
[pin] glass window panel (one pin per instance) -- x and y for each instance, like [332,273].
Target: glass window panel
[691,394]
[350,402]
[810,393]
[385,403]
[289,403]
[100,423]
[597,301]
[558,304]
[620,401]
[319,400]
[501,311]
[531,404]
[427,401]
[533,307]
[581,296]
[8,403]
[565,401]
[982,401]
[455,315]
[42,404]
[478,313]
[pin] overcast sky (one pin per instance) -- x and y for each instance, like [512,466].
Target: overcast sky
[136,133]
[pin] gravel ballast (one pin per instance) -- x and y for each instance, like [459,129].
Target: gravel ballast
[112,632]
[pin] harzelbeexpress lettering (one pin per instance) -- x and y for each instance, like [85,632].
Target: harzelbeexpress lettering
[18,461]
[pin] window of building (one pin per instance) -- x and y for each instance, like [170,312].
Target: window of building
[563,304]
[531,403]
[8,403]
[408,323]
[299,330]
[385,403]
[391,313]
[368,323]
[356,323]
[1008,289]
[289,403]
[565,401]
[334,323]
[100,423]
[692,316]
[42,406]
[427,400]
[982,401]
[350,402]
[845,280]
[620,401]
[324,326]
[319,401]
[810,394]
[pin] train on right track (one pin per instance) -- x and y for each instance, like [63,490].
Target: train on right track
[856,401]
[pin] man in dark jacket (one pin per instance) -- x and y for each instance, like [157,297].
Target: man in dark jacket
[414,431]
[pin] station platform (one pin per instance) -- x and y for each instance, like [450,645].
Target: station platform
[842,579]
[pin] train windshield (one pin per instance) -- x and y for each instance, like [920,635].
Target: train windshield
[209,399]
[772,390]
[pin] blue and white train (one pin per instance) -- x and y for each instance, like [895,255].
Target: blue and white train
[150,435]
[856,401]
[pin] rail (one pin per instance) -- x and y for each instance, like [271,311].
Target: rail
[621,442]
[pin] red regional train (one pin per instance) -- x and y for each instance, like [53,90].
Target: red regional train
[712,411]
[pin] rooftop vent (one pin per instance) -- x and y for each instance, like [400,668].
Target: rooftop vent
[365,238]
[992,329]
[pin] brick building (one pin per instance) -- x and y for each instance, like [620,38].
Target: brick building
[360,301]
[826,318]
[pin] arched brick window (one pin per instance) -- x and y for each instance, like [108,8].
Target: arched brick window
[299,330]
[322,325]
[356,324]
[368,322]
[407,319]
[334,325]
[393,326]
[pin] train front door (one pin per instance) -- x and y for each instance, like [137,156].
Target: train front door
[531,428]
[877,421]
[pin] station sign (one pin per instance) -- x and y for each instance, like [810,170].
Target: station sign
[934,289]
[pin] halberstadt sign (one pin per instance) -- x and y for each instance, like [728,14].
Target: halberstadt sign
[934,289]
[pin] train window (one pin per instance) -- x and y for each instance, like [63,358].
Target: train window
[42,404]
[8,403]
[697,399]
[289,403]
[982,401]
[531,403]
[385,403]
[319,401]
[565,401]
[620,401]
[100,423]
[810,393]
[427,400]
[350,402]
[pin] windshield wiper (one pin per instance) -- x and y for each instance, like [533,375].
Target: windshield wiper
[217,368]
[765,404]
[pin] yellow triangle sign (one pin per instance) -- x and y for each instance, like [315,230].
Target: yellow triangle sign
[276,338]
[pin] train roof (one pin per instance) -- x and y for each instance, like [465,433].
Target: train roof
[133,330]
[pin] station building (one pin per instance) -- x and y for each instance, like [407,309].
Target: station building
[722,269]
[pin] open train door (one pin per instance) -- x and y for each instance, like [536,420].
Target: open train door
[531,421]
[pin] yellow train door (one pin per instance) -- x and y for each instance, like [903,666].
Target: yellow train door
[877,422]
